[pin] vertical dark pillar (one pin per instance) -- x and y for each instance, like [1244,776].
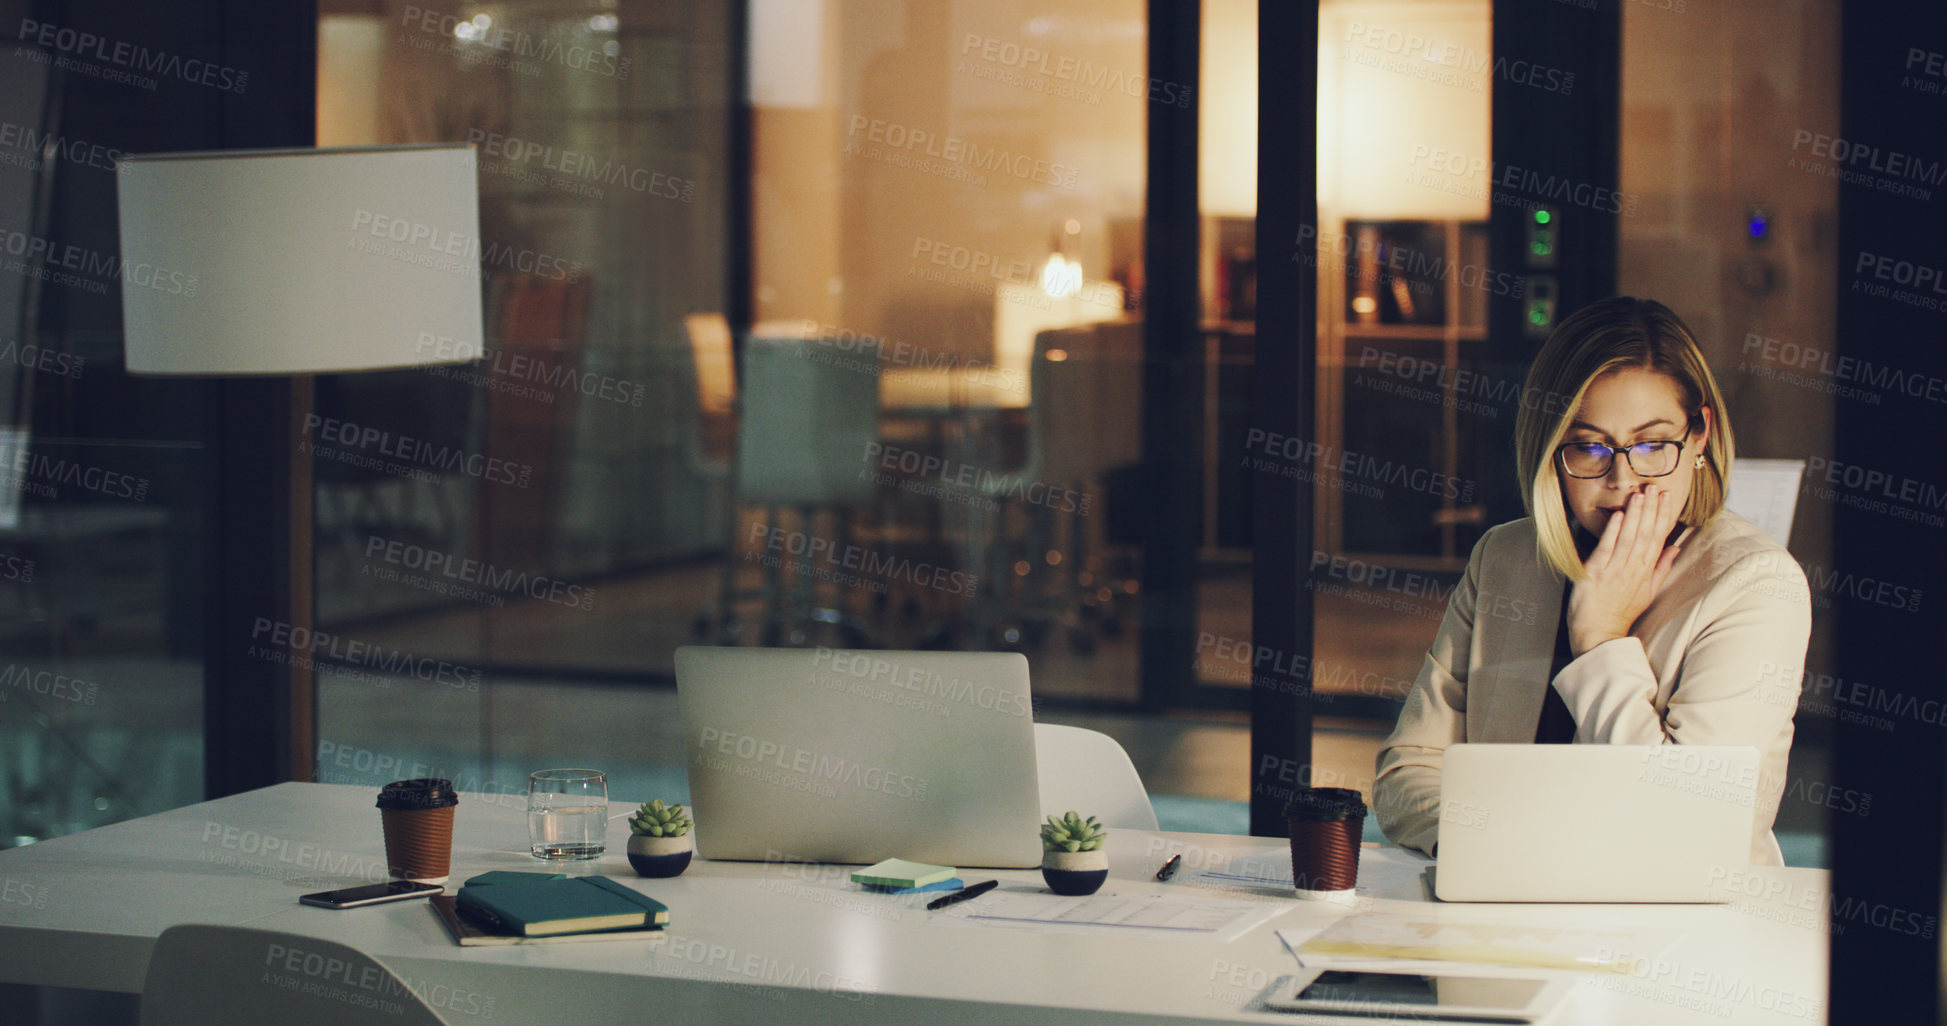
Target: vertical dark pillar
[738,223]
[260,717]
[1557,85]
[1286,365]
[1172,364]
[1887,867]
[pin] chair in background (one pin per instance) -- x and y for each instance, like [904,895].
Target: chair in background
[1096,428]
[995,550]
[715,358]
[712,445]
[1765,492]
[538,329]
[1088,772]
[806,418]
[1083,419]
[237,976]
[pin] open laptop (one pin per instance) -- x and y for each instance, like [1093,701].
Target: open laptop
[1598,823]
[834,755]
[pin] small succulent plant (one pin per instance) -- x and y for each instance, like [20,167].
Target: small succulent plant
[1072,833]
[658,820]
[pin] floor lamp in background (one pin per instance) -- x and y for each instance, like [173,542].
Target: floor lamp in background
[281,264]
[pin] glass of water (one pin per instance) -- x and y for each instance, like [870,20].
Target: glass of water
[567,814]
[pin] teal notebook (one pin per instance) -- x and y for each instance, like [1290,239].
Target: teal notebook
[500,876]
[468,931]
[581,904]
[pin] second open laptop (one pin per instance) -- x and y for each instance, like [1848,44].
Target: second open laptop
[831,755]
[1594,823]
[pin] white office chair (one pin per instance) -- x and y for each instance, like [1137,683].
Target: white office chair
[237,976]
[807,414]
[1066,411]
[805,419]
[1092,424]
[1086,771]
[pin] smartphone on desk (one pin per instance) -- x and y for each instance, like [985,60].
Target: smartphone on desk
[370,894]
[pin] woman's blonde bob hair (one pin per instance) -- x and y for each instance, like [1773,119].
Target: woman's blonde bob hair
[1596,340]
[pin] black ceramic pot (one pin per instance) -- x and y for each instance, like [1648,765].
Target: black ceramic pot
[660,856]
[1075,872]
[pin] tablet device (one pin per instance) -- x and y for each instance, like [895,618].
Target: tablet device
[1412,995]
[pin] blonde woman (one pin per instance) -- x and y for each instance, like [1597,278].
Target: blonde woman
[1629,606]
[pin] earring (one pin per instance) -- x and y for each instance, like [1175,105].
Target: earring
[1699,464]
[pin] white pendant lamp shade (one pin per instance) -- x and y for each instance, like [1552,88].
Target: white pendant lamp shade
[300,261]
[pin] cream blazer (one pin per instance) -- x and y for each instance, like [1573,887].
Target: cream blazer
[1716,659]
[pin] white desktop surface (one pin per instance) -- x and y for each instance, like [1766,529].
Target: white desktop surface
[770,943]
[921,391]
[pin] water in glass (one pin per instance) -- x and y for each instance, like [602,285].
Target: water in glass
[567,814]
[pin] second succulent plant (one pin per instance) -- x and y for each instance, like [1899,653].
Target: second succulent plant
[1072,833]
[658,820]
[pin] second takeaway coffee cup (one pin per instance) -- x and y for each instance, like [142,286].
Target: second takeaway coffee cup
[418,819]
[1325,825]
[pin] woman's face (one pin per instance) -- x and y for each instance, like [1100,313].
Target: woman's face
[1622,408]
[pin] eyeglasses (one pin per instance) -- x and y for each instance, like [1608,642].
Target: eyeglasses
[1646,459]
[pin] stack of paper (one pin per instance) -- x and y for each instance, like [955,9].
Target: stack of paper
[898,876]
[1219,919]
[1376,936]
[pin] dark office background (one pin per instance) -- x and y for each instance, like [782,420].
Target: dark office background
[148,601]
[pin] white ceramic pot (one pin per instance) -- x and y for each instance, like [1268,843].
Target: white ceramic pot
[643,844]
[1075,861]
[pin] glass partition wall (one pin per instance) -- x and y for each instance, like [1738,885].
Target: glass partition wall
[1730,220]
[548,520]
[1416,400]
[907,407]
[1394,452]
[102,476]
[949,203]
[920,425]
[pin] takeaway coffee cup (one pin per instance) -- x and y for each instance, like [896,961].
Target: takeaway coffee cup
[418,819]
[1325,825]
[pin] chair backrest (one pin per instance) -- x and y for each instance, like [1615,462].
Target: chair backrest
[224,975]
[716,368]
[809,413]
[1116,367]
[540,326]
[1086,771]
[1087,400]
[1063,404]
[1765,492]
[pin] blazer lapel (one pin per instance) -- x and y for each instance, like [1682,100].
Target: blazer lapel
[1514,627]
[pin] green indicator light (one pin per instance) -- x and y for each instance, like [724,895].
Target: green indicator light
[1540,249]
[1537,315]
[1542,217]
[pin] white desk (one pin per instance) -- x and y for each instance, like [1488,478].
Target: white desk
[772,943]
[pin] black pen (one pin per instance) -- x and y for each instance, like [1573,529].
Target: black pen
[1169,868]
[969,891]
